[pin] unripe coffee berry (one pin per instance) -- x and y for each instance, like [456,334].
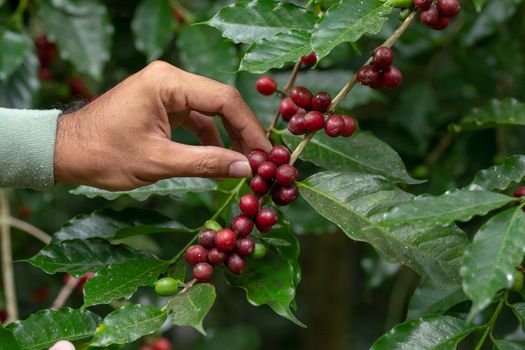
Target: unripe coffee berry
[367,75]
[520,192]
[517,286]
[266,170]
[350,126]
[429,16]
[442,23]
[296,124]
[423,4]
[334,126]
[266,86]
[302,97]
[202,272]
[225,240]
[314,121]
[392,77]
[242,225]
[167,286]
[383,57]
[249,205]
[255,158]
[321,102]
[266,217]
[216,257]
[279,155]
[310,59]
[245,246]
[284,195]
[448,8]
[195,254]
[285,175]
[259,252]
[236,263]
[259,185]
[288,109]
[207,239]
[212,225]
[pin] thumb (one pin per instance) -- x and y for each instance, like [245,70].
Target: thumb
[62,345]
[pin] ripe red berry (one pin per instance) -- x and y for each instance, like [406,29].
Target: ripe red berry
[225,240]
[195,254]
[296,124]
[255,158]
[334,126]
[392,77]
[245,246]
[262,228]
[162,344]
[423,4]
[266,86]
[367,75]
[302,97]
[202,272]
[242,225]
[383,57]
[288,108]
[266,170]
[310,59]
[286,174]
[279,155]
[266,217]
[429,16]
[350,126]
[448,8]
[314,121]
[259,185]
[207,239]
[442,23]
[520,192]
[216,257]
[321,102]
[236,263]
[282,195]
[249,205]
[45,74]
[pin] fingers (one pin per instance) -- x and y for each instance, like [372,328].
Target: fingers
[205,129]
[62,345]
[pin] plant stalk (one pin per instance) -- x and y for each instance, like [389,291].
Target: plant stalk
[8,275]
[492,321]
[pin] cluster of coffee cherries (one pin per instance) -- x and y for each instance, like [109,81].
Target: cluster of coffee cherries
[437,14]
[380,73]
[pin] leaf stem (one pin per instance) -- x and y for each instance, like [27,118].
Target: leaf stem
[8,275]
[492,321]
[28,228]
[309,3]
[18,16]
[440,148]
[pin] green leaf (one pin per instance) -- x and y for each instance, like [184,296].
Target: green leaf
[362,153]
[276,52]
[479,4]
[429,332]
[249,22]
[14,47]
[176,187]
[128,324]
[89,32]
[348,21]
[44,328]
[519,310]
[190,308]
[7,338]
[427,300]
[500,177]
[507,112]
[350,200]
[151,27]
[78,257]
[203,51]
[507,345]
[122,280]
[454,205]
[110,225]
[18,91]
[489,263]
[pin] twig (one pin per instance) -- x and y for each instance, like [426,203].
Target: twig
[7,260]
[28,228]
[441,147]
[64,293]
[188,285]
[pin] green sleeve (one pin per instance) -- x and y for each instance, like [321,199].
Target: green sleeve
[27,147]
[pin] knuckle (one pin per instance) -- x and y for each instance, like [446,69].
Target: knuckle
[206,167]
[158,68]
[231,93]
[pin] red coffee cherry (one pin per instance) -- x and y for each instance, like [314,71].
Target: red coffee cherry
[279,155]
[302,97]
[350,126]
[245,246]
[262,228]
[282,195]
[255,158]
[383,57]
[225,240]
[321,102]
[266,170]
[520,192]
[314,121]
[195,254]
[367,75]
[45,74]
[207,239]
[288,109]
[266,217]
[236,263]
[242,225]
[429,16]
[266,86]
[202,272]
[285,175]
[442,23]
[310,59]
[249,205]
[334,126]
[448,8]
[162,344]
[392,77]
[259,185]
[216,257]
[296,124]
[423,4]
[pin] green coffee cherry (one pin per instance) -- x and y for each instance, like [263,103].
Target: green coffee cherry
[212,225]
[259,251]
[517,286]
[421,172]
[403,14]
[401,4]
[167,286]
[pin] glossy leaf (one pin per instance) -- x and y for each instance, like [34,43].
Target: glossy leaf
[455,205]
[489,263]
[151,27]
[190,308]
[429,333]
[176,187]
[519,309]
[360,153]
[18,91]
[8,340]
[502,344]
[427,300]
[507,112]
[44,328]
[128,324]
[350,200]
[500,177]
[89,32]
[251,21]
[348,21]
[276,52]
[14,47]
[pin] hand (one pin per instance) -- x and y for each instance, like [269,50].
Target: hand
[62,345]
[122,140]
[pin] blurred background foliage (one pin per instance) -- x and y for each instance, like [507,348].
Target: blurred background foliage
[54,53]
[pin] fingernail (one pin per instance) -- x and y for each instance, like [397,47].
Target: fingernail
[240,168]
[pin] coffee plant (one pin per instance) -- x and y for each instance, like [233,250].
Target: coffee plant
[463,236]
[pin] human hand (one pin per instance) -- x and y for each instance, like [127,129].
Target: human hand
[62,345]
[122,140]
